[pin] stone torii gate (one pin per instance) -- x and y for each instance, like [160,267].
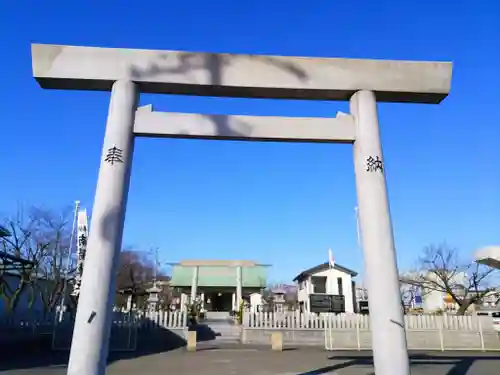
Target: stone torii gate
[126,72]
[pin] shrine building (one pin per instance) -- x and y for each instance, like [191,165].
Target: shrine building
[220,285]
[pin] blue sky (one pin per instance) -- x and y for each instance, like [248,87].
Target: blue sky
[276,203]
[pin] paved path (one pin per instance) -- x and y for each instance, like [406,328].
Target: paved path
[243,360]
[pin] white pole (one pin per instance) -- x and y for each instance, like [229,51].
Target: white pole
[90,343]
[329,278]
[68,259]
[239,287]
[155,271]
[358,243]
[390,354]
[481,334]
[358,231]
[194,284]
[73,229]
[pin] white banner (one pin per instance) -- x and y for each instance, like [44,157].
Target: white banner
[81,246]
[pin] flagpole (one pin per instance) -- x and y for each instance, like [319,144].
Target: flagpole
[331,259]
[358,229]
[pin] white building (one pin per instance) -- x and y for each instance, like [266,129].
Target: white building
[491,299]
[437,300]
[322,279]
[256,302]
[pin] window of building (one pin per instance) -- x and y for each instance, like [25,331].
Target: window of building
[340,286]
[319,284]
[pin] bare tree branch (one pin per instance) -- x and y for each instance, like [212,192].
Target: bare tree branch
[134,277]
[440,269]
[41,238]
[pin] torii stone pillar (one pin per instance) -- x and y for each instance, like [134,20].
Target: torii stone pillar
[93,317]
[378,240]
[124,72]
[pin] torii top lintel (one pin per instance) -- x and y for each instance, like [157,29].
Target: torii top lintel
[231,75]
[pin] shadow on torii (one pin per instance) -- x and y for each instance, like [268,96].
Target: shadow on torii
[126,72]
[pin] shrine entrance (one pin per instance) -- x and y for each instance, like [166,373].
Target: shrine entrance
[219,301]
[127,72]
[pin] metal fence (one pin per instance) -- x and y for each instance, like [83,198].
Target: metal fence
[139,319]
[125,327]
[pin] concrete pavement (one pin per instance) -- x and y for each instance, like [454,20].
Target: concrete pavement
[244,360]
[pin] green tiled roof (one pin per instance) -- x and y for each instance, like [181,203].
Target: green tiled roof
[252,277]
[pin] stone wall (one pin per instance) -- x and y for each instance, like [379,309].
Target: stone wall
[361,340]
[121,339]
[290,337]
